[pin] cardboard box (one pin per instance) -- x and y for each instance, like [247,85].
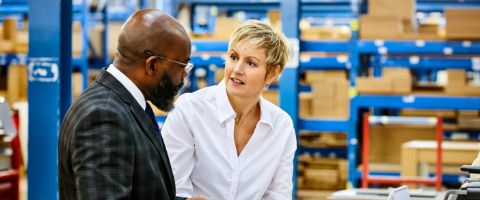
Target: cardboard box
[367,85]
[457,84]
[471,90]
[386,140]
[380,27]
[16,83]
[305,104]
[325,33]
[331,99]
[404,9]
[402,85]
[469,122]
[10,29]
[77,39]
[421,36]
[77,84]
[21,46]
[418,152]
[428,28]
[468,113]
[313,76]
[462,23]
[6,46]
[457,77]
[395,72]
[321,178]
[324,173]
[401,79]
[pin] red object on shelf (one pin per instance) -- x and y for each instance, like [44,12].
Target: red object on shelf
[366,178]
[10,179]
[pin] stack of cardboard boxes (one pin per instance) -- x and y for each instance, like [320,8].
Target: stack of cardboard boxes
[322,173]
[330,94]
[392,81]
[388,19]
[395,20]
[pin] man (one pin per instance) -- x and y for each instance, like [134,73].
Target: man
[109,145]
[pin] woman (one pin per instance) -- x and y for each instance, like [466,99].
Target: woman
[227,141]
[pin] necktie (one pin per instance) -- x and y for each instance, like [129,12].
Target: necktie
[150,114]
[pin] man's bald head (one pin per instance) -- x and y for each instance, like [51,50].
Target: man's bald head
[148,29]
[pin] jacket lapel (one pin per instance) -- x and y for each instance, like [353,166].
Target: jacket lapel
[107,80]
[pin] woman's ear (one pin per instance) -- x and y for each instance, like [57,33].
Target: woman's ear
[150,65]
[273,75]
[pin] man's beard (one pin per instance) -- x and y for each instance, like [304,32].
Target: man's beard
[163,95]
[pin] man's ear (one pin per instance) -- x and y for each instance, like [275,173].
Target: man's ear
[150,65]
[273,75]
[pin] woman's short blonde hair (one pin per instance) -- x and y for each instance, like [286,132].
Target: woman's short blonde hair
[266,37]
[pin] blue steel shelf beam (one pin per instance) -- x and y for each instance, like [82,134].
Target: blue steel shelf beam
[416,62]
[439,6]
[323,62]
[324,46]
[419,47]
[323,125]
[417,102]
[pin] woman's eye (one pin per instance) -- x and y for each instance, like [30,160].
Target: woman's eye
[251,64]
[232,57]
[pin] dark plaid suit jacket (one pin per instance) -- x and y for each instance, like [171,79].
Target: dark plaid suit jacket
[108,148]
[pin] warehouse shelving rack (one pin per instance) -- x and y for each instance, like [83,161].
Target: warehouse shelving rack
[417,55]
[412,102]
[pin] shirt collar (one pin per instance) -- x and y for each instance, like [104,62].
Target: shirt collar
[225,110]
[127,83]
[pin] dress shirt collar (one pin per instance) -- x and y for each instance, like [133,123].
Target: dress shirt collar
[225,110]
[128,84]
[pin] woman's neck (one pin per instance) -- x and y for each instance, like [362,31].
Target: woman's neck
[244,108]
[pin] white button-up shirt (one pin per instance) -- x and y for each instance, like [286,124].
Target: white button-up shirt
[199,138]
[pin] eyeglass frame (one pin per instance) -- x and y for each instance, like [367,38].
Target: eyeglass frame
[188,66]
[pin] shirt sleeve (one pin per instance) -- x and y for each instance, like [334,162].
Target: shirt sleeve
[180,147]
[282,183]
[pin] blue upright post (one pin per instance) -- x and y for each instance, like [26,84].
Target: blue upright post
[49,71]
[290,10]
[354,68]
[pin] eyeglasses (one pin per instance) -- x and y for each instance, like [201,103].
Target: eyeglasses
[188,66]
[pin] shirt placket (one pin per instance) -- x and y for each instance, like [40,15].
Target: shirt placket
[235,164]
